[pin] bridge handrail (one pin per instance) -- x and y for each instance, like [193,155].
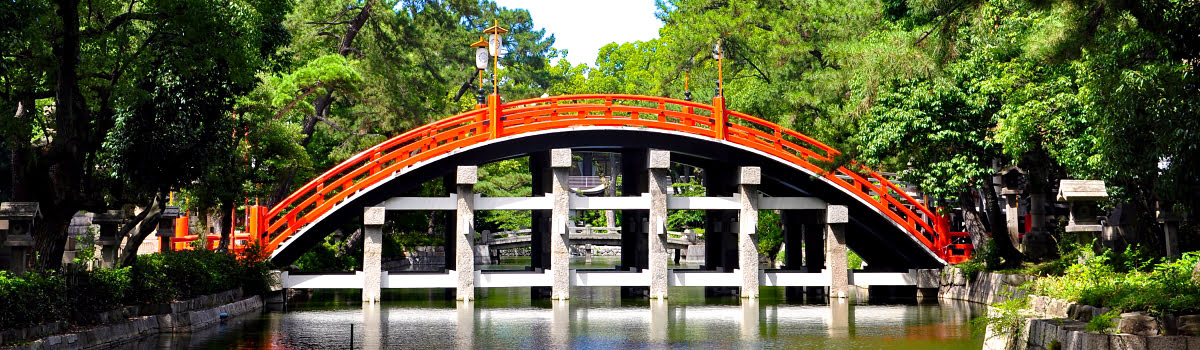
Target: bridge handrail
[379,162]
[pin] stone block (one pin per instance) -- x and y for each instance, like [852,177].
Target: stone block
[560,158]
[927,278]
[750,175]
[374,215]
[658,159]
[1126,342]
[1167,343]
[1137,323]
[1189,325]
[1093,341]
[837,214]
[467,175]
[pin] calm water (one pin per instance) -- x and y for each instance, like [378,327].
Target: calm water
[595,318]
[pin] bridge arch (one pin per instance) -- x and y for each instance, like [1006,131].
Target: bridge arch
[911,234]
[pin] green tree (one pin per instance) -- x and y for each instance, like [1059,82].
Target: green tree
[129,91]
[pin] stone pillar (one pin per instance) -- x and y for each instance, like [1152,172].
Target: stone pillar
[464,254]
[836,217]
[1012,219]
[748,181]
[659,176]
[1170,225]
[560,255]
[373,219]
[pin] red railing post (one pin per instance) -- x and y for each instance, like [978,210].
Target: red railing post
[719,117]
[494,116]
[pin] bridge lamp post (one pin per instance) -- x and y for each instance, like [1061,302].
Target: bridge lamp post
[494,43]
[481,62]
[719,55]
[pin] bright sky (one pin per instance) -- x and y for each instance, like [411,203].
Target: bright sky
[583,26]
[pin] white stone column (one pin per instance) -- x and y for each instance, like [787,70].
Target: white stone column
[836,217]
[374,323]
[748,181]
[839,318]
[660,319]
[560,324]
[659,164]
[749,324]
[464,328]
[373,218]
[464,252]
[560,254]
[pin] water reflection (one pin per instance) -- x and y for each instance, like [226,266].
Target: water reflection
[593,318]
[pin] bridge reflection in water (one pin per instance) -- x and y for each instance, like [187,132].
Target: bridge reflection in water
[505,319]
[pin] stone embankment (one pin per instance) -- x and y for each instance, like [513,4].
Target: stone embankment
[132,323]
[1059,324]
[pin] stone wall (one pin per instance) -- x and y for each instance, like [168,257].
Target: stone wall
[121,332]
[985,288]
[1054,323]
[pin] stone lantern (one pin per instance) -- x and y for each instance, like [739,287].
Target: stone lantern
[1083,197]
[110,222]
[1012,186]
[166,227]
[17,220]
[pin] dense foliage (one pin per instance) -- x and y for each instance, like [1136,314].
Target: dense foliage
[78,296]
[1128,284]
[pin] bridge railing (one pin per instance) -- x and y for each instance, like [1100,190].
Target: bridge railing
[548,113]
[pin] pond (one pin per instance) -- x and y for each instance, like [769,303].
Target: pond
[597,317]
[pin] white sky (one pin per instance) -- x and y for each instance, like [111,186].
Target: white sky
[583,26]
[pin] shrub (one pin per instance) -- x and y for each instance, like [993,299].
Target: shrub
[30,299]
[1162,288]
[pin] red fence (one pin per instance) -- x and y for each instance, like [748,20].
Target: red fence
[498,120]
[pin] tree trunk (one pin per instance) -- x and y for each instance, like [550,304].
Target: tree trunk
[225,218]
[973,222]
[1004,245]
[141,227]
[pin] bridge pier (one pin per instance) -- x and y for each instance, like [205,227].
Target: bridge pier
[748,181]
[836,217]
[720,242]
[560,254]
[373,219]
[634,245]
[540,226]
[659,174]
[814,251]
[464,237]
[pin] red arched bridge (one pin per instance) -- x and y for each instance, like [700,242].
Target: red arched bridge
[891,219]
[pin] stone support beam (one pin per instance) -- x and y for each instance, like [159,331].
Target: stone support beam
[748,181]
[836,217]
[659,178]
[464,235]
[560,255]
[373,219]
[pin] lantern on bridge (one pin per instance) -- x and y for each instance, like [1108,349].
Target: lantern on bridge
[481,62]
[494,46]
